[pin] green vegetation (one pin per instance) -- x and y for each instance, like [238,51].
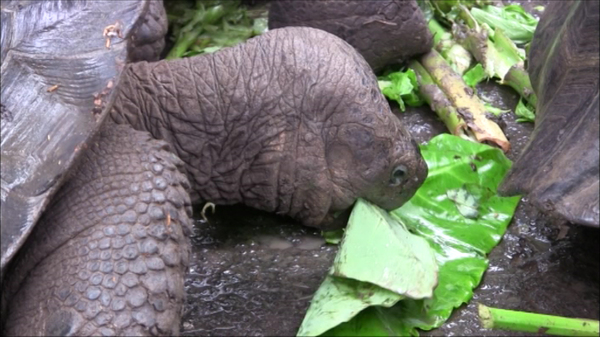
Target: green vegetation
[482,32]
[207,26]
[491,34]
[518,25]
[524,112]
[402,88]
[379,263]
[459,215]
[493,318]
[446,92]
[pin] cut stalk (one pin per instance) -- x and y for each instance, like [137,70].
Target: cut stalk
[437,30]
[468,106]
[499,58]
[493,318]
[518,79]
[439,103]
[457,56]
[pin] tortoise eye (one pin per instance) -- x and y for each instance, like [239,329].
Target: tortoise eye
[398,175]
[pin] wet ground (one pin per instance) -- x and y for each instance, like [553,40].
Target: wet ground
[254,273]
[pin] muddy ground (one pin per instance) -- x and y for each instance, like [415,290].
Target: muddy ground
[254,273]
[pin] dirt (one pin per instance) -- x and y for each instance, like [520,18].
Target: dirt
[254,273]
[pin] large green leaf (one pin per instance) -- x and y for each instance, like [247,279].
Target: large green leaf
[458,212]
[379,263]
[461,242]
[338,300]
[379,250]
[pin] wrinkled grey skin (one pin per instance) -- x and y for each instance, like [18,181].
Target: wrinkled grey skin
[383,31]
[290,122]
[109,255]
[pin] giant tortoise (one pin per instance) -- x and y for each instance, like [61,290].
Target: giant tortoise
[102,159]
[558,169]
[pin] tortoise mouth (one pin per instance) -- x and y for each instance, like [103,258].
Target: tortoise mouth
[336,219]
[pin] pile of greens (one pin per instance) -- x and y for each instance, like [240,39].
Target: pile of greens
[205,26]
[473,41]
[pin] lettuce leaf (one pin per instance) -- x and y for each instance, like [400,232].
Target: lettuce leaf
[402,87]
[513,20]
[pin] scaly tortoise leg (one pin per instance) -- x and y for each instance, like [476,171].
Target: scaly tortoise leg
[110,252]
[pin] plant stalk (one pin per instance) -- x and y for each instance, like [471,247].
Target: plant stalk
[499,59]
[437,30]
[494,318]
[518,79]
[457,56]
[439,103]
[470,108]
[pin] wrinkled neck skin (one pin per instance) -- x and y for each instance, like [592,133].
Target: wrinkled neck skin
[273,124]
[243,120]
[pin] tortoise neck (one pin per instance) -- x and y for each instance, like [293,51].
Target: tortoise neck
[232,145]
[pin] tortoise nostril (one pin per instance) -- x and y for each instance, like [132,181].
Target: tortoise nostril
[398,175]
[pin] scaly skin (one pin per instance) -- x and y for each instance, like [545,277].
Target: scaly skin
[111,251]
[148,39]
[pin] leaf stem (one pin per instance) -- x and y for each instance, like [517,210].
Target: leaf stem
[500,59]
[518,79]
[494,318]
[457,56]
